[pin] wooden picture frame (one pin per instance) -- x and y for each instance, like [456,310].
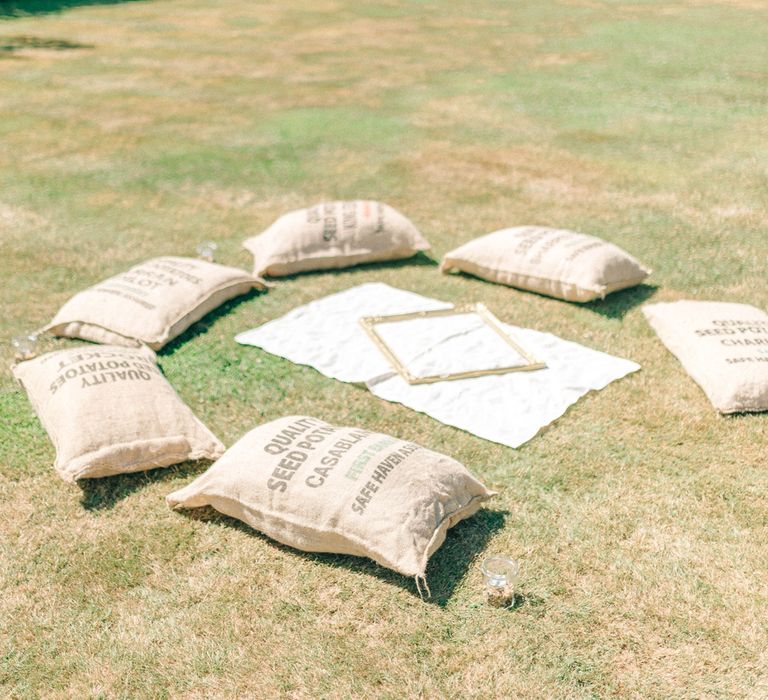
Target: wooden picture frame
[369,324]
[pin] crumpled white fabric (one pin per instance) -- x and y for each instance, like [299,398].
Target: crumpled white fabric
[506,408]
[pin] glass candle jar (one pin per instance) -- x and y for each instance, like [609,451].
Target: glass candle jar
[207,250]
[500,574]
[24,346]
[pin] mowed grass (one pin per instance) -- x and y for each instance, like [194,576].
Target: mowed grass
[640,517]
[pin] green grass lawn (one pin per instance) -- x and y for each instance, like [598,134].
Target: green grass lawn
[136,129]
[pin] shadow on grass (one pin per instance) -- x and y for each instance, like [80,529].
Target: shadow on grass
[201,327]
[450,564]
[419,258]
[21,8]
[447,567]
[618,304]
[106,492]
[10,44]
[530,600]
[756,415]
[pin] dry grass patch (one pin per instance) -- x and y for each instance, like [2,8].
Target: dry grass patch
[639,516]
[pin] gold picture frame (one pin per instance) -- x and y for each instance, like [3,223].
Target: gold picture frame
[369,324]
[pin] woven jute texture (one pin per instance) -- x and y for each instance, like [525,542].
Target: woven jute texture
[322,488]
[556,262]
[334,235]
[722,345]
[151,303]
[109,410]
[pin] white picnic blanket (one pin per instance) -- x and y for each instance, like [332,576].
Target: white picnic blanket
[505,408]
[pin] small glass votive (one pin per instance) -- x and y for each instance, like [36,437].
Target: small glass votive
[500,574]
[24,346]
[207,250]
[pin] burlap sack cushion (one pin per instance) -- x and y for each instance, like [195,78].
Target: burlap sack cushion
[334,235]
[556,262]
[321,488]
[109,410]
[722,345]
[151,303]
